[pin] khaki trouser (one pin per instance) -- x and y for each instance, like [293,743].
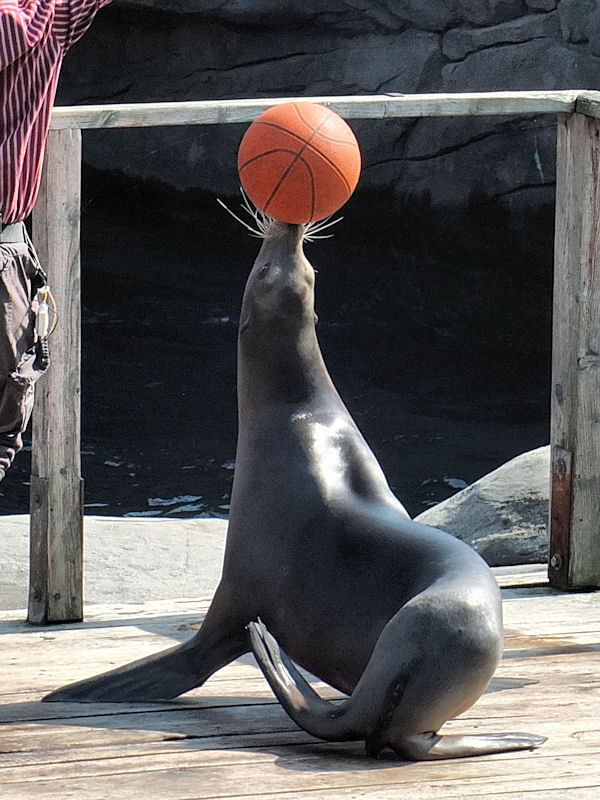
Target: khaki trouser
[22,360]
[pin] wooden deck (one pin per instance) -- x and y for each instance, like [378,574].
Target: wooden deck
[230,739]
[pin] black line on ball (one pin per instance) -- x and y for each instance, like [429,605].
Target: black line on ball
[306,143]
[297,158]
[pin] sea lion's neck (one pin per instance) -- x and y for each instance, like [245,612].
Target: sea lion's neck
[285,370]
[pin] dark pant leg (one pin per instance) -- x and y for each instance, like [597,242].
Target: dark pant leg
[19,365]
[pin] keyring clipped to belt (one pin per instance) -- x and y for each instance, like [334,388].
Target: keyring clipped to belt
[43,304]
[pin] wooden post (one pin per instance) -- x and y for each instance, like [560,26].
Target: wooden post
[575,427]
[56,501]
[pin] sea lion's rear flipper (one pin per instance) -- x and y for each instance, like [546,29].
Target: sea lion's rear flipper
[355,719]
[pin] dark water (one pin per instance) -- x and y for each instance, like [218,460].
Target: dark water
[443,359]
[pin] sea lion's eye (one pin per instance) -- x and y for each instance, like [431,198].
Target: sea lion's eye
[264,270]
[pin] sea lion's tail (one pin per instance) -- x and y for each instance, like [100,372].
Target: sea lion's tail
[354,719]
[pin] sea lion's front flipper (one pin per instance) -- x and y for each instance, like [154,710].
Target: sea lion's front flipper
[161,676]
[434,747]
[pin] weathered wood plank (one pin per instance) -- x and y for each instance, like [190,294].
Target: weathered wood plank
[384,106]
[79,743]
[552,708]
[181,776]
[56,557]
[523,575]
[588,103]
[304,757]
[514,690]
[551,613]
[575,428]
[516,682]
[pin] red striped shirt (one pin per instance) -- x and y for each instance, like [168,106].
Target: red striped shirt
[34,36]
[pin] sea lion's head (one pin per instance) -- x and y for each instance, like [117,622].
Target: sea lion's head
[279,294]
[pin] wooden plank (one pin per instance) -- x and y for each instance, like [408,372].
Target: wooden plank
[570,732]
[383,794]
[56,553]
[575,402]
[551,613]
[588,103]
[383,106]
[43,744]
[515,691]
[308,758]
[539,694]
[184,776]
[522,575]
[243,679]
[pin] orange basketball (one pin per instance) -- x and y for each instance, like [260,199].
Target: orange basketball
[299,162]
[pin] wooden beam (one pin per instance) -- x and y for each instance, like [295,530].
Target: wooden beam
[384,106]
[575,427]
[588,103]
[56,535]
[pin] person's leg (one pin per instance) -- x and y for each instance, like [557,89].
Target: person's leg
[19,362]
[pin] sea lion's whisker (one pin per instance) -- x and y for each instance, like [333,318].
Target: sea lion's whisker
[313,229]
[258,234]
[260,219]
[263,221]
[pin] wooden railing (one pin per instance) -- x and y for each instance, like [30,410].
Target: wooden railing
[56,489]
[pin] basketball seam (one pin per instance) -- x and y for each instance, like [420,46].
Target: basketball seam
[296,158]
[298,111]
[297,136]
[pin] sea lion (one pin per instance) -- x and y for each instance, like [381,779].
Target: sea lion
[402,617]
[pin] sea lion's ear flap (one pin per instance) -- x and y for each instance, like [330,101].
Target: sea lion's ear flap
[316,318]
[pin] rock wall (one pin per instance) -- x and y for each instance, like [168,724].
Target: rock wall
[152,50]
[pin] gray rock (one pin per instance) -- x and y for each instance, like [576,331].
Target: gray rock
[489,12]
[575,18]
[503,516]
[204,157]
[526,66]
[542,5]
[435,15]
[460,42]
[440,154]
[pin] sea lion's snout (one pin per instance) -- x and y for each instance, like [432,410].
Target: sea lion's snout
[282,246]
